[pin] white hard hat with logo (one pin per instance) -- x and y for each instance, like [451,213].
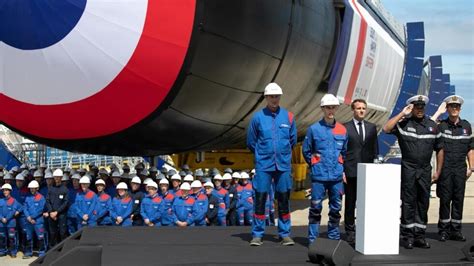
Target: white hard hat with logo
[273,89]
[33,184]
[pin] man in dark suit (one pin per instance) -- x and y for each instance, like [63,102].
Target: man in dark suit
[361,148]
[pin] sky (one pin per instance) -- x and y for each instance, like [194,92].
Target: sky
[449,32]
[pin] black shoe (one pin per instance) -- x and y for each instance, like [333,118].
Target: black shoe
[26,257]
[350,238]
[421,243]
[444,236]
[457,237]
[2,255]
[408,244]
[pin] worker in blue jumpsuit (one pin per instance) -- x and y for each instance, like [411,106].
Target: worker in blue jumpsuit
[33,210]
[85,204]
[184,210]
[324,149]
[168,198]
[245,205]
[271,136]
[122,207]
[151,207]
[104,203]
[9,209]
[201,203]
[20,192]
[224,200]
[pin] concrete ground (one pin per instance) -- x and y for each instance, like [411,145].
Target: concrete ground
[300,217]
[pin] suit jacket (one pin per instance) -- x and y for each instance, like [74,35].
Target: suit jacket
[358,151]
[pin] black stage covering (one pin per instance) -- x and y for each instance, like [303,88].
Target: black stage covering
[222,246]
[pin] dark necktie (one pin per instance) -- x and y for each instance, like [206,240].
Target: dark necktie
[361,132]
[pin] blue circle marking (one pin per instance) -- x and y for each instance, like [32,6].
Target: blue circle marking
[37,24]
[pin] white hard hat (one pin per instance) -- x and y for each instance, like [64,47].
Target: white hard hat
[244,175]
[7,186]
[48,175]
[136,180]
[188,178]
[185,186]
[273,89]
[65,178]
[196,184]
[76,176]
[329,99]
[84,180]
[235,175]
[122,185]
[218,177]
[454,99]
[33,184]
[418,99]
[20,177]
[100,182]
[152,184]
[147,181]
[164,181]
[226,176]
[176,177]
[58,173]
[208,184]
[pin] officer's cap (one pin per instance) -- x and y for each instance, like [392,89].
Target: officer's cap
[418,99]
[454,99]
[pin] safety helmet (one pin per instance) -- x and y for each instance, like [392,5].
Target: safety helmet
[33,184]
[152,184]
[76,176]
[196,184]
[188,178]
[122,185]
[7,186]
[84,180]
[136,180]
[37,173]
[236,175]
[209,184]
[58,173]
[199,173]
[185,186]
[164,181]
[176,177]
[273,89]
[218,177]
[99,182]
[244,175]
[20,177]
[329,99]
[226,176]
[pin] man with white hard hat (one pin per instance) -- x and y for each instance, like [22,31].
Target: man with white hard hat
[86,204]
[418,137]
[74,190]
[271,136]
[33,210]
[184,210]
[175,184]
[9,209]
[224,200]
[137,196]
[457,143]
[201,203]
[324,149]
[213,204]
[245,200]
[104,203]
[151,208]
[57,203]
[168,198]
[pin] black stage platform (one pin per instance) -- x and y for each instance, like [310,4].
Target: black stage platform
[222,246]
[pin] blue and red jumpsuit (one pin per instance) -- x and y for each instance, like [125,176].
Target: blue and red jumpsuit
[324,149]
[184,210]
[122,207]
[104,203]
[271,137]
[223,196]
[245,204]
[86,203]
[201,205]
[167,216]
[33,209]
[8,234]
[152,208]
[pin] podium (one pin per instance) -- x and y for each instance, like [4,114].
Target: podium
[378,209]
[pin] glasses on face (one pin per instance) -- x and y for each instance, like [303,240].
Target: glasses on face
[454,105]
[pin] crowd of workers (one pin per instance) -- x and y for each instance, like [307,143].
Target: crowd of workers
[39,207]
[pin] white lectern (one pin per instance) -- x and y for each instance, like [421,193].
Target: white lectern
[378,209]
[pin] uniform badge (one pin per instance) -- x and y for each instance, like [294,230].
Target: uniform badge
[420,98]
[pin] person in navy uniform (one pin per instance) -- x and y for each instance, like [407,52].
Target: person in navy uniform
[57,203]
[418,137]
[213,204]
[271,136]
[457,143]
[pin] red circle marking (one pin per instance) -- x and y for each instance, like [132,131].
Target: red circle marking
[136,92]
